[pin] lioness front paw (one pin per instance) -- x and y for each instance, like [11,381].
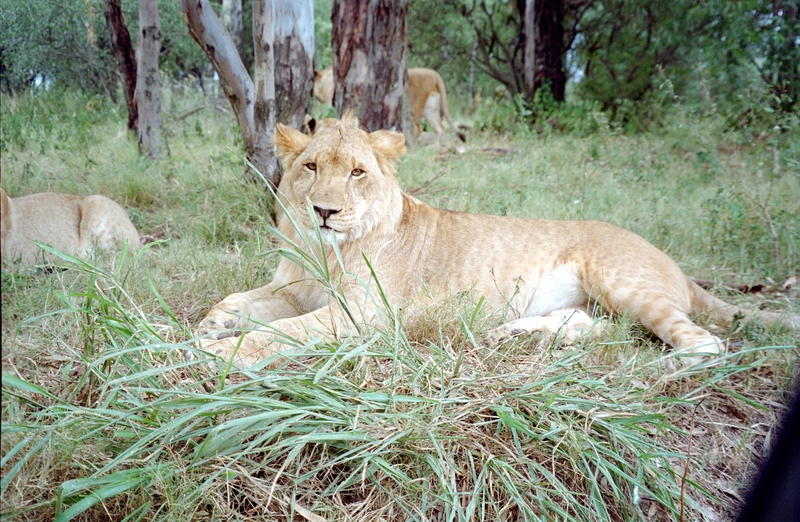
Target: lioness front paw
[222,322]
[243,350]
[505,332]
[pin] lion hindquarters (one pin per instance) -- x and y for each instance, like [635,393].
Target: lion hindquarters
[105,225]
[664,309]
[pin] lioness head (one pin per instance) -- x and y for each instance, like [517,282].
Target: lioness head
[346,174]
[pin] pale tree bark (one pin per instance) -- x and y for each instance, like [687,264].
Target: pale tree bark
[207,30]
[263,157]
[255,113]
[125,56]
[152,140]
[294,59]
[233,22]
[529,54]
[369,62]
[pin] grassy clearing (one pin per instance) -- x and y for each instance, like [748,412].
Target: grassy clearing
[103,419]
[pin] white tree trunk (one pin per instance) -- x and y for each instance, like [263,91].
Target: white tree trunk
[207,30]
[294,60]
[232,20]
[264,67]
[152,140]
[254,102]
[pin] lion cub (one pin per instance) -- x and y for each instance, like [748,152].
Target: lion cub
[378,242]
[75,225]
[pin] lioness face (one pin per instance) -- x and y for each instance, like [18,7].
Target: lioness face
[344,173]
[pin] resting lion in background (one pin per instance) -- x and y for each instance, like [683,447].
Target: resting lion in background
[75,225]
[541,271]
[427,94]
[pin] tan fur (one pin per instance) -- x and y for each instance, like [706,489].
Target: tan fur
[426,91]
[535,269]
[323,85]
[75,225]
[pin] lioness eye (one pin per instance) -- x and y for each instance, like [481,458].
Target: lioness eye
[357,172]
[311,166]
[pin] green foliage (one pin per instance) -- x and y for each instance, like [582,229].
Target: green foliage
[40,45]
[753,44]
[501,115]
[180,56]
[443,34]
[623,42]
[323,53]
[70,46]
[633,58]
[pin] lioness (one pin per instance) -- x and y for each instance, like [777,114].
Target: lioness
[426,91]
[541,269]
[72,224]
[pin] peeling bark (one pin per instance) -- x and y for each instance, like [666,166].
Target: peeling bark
[294,60]
[370,64]
[290,79]
[232,20]
[263,156]
[207,30]
[152,140]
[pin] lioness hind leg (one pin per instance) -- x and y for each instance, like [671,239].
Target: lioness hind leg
[690,343]
[567,324]
[432,115]
[104,224]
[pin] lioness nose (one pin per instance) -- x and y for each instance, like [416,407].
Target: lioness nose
[325,213]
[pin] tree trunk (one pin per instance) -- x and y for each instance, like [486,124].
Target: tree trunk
[254,103]
[207,30]
[529,54]
[549,45]
[232,20]
[369,62]
[294,59]
[152,140]
[263,157]
[126,57]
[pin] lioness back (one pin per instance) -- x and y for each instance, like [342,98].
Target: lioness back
[340,186]
[72,224]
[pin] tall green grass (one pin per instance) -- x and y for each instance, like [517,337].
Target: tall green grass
[103,418]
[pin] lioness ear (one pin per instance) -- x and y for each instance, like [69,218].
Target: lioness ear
[391,145]
[290,143]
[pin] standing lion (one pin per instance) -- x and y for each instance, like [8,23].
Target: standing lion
[427,94]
